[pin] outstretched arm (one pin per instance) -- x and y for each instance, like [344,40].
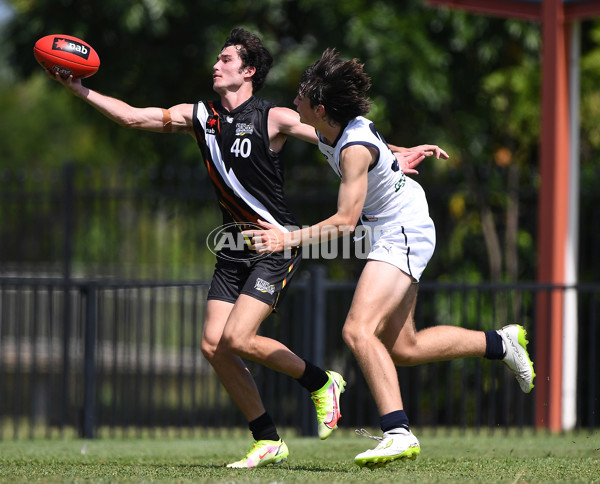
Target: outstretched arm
[287,122]
[284,121]
[175,119]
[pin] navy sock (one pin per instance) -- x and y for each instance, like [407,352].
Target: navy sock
[263,428]
[493,346]
[393,420]
[313,377]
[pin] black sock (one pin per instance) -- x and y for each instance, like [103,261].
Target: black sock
[493,346]
[393,420]
[313,377]
[263,428]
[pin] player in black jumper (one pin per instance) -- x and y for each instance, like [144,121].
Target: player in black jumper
[240,137]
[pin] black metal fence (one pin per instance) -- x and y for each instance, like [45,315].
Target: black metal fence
[100,358]
[85,349]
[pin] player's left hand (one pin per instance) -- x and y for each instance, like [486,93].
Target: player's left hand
[267,239]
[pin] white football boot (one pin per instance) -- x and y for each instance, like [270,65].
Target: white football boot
[395,444]
[516,356]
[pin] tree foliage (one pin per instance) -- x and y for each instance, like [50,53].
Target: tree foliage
[468,83]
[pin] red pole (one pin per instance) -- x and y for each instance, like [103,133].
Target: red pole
[553,214]
[554,179]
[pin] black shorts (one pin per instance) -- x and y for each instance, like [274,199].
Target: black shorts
[265,278]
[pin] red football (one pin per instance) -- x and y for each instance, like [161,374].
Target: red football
[66,55]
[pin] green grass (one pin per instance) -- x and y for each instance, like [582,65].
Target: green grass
[445,457]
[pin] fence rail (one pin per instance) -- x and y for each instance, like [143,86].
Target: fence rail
[114,358]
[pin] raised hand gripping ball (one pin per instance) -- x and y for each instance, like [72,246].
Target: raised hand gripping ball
[66,55]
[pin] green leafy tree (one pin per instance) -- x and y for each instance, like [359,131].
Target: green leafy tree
[468,83]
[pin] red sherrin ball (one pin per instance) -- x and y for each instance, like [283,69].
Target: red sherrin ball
[66,55]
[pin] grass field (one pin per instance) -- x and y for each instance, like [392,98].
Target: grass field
[455,458]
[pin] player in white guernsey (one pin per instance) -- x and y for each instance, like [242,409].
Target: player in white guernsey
[395,209]
[379,328]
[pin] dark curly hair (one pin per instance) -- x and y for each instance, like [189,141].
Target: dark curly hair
[340,86]
[253,54]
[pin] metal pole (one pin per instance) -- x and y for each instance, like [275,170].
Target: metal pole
[569,382]
[319,274]
[89,370]
[67,258]
[553,215]
[315,310]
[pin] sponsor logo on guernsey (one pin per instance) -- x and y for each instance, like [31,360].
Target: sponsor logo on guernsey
[400,183]
[243,128]
[264,286]
[211,124]
[71,46]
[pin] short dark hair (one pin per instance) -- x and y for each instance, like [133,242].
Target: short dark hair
[253,54]
[340,86]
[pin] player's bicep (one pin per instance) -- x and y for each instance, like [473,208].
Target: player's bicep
[175,119]
[180,117]
[354,165]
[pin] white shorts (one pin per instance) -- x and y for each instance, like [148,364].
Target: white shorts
[407,246]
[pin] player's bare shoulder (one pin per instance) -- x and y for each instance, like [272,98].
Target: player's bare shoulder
[287,122]
[282,119]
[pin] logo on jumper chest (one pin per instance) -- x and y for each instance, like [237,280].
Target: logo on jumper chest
[242,129]
[212,124]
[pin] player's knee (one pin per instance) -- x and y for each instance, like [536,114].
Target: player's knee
[347,336]
[401,359]
[215,350]
[406,355]
[352,337]
[235,344]
[229,341]
[209,349]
